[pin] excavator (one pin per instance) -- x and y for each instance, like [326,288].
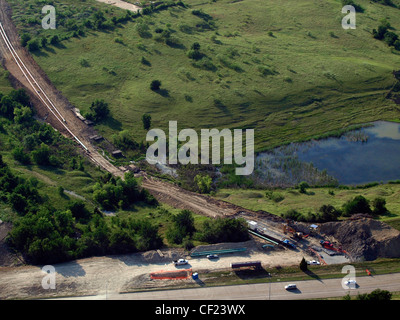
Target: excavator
[296,235]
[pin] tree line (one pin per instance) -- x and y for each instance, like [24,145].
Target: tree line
[326,213]
[183,230]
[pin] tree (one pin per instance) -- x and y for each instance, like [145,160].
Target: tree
[7,106]
[182,227]
[379,205]
[328,213]
[390,38]
[302,186]
[100,109]
[79,211]
[146,119]
[23,115]
[19,155]
[42,155]
[358,205]
[381,295]
[224,230]
[25,38]
[155,85]
[303,265]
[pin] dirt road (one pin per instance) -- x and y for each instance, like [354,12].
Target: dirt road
[121,4]
[90,276]
[25,73]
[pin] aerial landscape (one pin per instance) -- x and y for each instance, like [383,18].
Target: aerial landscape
[200,150]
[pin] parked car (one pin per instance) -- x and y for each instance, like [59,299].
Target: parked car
[180,262]
[291,287]
[313,262]
[212,256]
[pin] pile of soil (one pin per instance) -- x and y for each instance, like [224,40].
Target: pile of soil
[365,239]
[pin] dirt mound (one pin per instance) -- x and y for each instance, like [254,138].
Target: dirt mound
[365,239]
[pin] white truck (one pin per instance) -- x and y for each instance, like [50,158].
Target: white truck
[252,225]
[180,262]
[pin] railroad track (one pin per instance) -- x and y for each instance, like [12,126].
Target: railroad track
[44,98]
[36,87]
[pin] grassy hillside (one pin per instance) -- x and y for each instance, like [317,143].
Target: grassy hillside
[288,69]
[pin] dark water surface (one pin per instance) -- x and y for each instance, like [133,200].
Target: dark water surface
[356,162]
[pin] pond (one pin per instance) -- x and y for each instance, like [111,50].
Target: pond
[371,154]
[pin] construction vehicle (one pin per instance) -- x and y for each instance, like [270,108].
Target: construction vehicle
[295,235]
[289,244]
[326,244]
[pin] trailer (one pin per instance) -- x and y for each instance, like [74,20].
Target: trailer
[247,264]
[252,225]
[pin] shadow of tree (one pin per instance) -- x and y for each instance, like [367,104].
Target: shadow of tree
[163,92]
[312,275]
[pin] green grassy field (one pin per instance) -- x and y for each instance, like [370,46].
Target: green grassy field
[287,70]
[314,199]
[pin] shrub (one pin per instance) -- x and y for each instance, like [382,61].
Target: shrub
[33,45]
[100,109]
[54,40]
[194,54]
[274,196]
[146,119]
[84,63]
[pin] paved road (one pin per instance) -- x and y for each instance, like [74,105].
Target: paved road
[275,291]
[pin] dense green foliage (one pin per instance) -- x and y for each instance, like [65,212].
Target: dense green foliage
[183,230]
[224,230]
[44,234]
[182,227]
[384,33]
[357,205]
[99,110]
[112,193]
[326,213]
[376,295]
[50,236]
